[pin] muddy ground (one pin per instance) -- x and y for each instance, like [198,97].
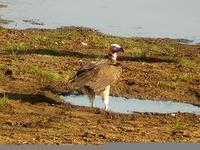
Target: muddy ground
[36,65]
[43,123]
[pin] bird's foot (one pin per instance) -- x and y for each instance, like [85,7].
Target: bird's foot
[92,105]
[106,108]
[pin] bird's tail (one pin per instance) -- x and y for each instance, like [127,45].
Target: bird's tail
[89,92]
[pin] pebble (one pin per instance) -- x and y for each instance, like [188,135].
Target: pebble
[173,115]
[84,44]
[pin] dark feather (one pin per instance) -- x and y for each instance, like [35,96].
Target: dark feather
[97,75]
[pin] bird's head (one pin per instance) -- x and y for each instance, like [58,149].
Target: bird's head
[114,49]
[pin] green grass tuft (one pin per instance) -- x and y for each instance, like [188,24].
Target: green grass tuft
[50,75]
[64,120]
[177,125]
[170,48]
[38,37]
[156,48]
[182,77]
[188,63]
[15,45]
[1,65]
[170,84]
[4,102]
[137,51]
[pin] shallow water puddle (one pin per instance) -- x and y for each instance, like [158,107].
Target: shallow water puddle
[128,106]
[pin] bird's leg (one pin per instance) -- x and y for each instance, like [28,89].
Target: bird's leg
[91,97]
[105,96]
[90,94]
[92,101]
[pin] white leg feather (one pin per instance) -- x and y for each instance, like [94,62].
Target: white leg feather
[105,96]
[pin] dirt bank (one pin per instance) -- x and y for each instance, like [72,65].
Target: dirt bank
[43,123]
[36,64]
[40,59]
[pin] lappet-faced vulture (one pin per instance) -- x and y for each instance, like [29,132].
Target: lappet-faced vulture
[97,77]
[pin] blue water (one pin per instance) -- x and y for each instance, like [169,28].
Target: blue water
[140,18]
[128,106]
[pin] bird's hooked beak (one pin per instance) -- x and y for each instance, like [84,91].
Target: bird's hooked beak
[121,49]
[116,48]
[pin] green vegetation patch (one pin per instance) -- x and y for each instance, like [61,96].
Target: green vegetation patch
[1,65]
[167,46]
[137,51]
[64,120]
[99,40]
[15,45]
[4,102]
[38,37]
[50,75]
[183,77]
[170,84]
[188,63]
[177,124]
[156,48]
[170,48]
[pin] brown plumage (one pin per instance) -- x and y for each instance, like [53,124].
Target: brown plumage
[96,78]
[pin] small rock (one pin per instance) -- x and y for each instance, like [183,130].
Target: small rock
[102,136]
[173,115]
[88,135]
[25,142]
[8,72]
[10,123]
[84,44]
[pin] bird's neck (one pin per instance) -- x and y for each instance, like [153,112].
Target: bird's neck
[113,56]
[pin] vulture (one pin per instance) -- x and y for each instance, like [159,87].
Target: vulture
[96,78]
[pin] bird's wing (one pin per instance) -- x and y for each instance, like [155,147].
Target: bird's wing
[98,77]
[83,69]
